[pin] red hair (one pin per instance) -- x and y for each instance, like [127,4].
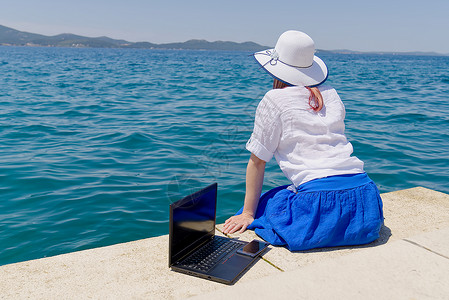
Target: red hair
[315,97]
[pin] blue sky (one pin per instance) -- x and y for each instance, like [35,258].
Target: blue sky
[394,25]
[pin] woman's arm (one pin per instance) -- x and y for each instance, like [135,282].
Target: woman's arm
[254,180]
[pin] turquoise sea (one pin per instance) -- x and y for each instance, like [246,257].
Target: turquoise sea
[96,143]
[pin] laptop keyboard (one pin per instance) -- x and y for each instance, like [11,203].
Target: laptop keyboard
[207,256]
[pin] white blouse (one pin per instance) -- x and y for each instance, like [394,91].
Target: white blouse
[306,144]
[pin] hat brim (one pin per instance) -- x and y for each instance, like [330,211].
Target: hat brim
[311,76]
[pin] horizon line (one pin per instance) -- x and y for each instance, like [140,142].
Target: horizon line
[268,47]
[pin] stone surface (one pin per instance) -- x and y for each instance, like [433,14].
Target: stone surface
[436,241]
[131,270]
[398,270]
[413,211]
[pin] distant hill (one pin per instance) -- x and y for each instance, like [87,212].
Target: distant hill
[13,37]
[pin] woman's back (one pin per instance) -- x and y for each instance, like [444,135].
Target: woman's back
[305,143]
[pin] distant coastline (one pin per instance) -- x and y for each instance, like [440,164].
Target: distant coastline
[13,37]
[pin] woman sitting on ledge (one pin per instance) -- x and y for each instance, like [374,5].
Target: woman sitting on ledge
[332,201]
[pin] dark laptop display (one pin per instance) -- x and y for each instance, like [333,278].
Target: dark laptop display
[193,222]
[194,248]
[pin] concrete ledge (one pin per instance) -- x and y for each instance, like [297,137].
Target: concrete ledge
[409,260]
[398,270]
[131,270]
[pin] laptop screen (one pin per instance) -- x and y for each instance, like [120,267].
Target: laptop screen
[192,221]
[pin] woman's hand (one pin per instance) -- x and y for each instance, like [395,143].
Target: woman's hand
[237,223]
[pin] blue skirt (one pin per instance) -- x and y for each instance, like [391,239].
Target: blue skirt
[333,211]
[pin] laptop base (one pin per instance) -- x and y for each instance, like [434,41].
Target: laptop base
[227,273]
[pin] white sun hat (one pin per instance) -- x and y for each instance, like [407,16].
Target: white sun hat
[293,60]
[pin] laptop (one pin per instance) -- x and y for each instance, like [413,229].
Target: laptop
[194,249]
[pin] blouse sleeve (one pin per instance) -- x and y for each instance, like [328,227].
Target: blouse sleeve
[267,130]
